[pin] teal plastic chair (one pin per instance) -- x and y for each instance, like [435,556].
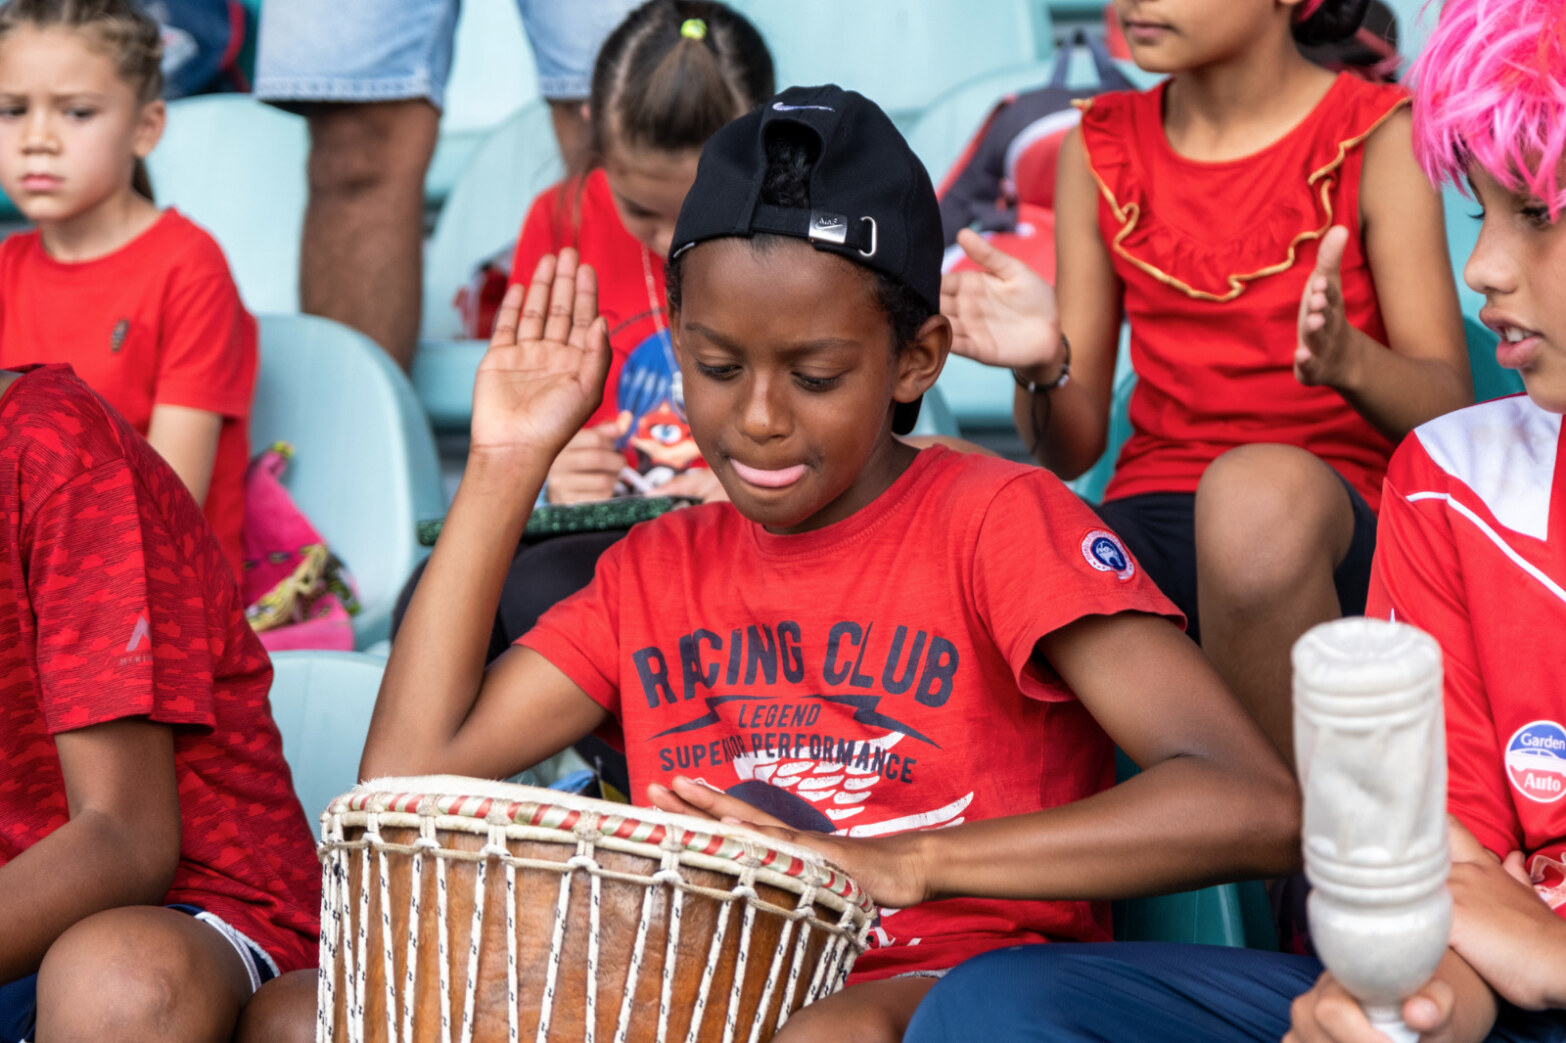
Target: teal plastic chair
[365,470]
[322,703]
[236,167]
[938,133]
[492,76]
[1462,235]
[901,55]
[517,160]
[935,417]
[1236,915]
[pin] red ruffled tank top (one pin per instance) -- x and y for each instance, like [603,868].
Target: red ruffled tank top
[1214,258]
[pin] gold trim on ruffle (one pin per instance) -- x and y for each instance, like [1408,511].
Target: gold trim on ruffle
[1131,212]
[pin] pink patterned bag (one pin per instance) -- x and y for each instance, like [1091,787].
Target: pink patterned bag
[297,592]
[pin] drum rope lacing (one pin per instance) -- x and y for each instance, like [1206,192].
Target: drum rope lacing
[343,940]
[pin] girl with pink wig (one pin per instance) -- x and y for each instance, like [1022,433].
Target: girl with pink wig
[1261,225]
[1472,548]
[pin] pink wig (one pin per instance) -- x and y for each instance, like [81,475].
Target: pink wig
[1490,89]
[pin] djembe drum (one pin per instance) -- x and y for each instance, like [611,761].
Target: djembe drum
[463,909]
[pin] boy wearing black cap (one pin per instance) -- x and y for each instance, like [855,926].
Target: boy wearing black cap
[871,640]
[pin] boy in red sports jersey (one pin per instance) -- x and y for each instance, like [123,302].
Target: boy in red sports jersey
[155,865]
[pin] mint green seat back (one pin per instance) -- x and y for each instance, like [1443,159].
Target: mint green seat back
[236,167]
[365,470]
[322,703]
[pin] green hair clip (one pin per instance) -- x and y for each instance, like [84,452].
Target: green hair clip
[694,29]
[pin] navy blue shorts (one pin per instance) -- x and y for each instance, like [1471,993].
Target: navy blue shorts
[1160,529]
[19,999]
[1132,992]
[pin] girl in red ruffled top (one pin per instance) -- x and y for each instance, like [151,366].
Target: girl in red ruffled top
[1262,225]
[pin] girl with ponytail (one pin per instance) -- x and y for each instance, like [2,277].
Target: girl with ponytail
[140,302]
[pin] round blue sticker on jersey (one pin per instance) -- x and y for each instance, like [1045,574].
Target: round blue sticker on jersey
[1104,551]
[1536,761]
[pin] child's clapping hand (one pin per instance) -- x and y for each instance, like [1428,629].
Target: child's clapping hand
[544,372]
[1004,315]
[1326,348]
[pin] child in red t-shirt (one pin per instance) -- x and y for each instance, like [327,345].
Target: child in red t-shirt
[1472,548]
[870,639]
[139,302]
[155,865]
[664,81]
[1261,225]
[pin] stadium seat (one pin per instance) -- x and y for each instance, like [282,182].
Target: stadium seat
[492,75]
[365,470]
[900,55]
[484,212]
[941,129]
[236,167]
[322,702]
[1462,235]
[935,418]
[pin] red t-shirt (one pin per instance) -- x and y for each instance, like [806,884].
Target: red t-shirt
[1472,548]
[1214,258]
[871,677]
[157,322]
[644,393]
[116,602]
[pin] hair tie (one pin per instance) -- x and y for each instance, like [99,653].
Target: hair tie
[693,29]
[1306,9]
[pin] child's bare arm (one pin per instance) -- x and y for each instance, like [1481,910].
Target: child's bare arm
[1213,802]
[1502,928]
[1454,1006]
[1425,374]
[439,711]
[120,847]
[188,439]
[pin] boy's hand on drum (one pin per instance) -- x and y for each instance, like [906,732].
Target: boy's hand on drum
[544,372]
[587,468]
[1004,315]
[1325,354]
[889,869]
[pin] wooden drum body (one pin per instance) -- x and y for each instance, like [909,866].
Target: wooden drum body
[461,909]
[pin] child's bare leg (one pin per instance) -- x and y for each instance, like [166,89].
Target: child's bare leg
[1272,524]
[140,973]
[281,1011]
[871,1012]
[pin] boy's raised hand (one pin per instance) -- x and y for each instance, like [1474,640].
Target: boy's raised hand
[544,372]
[888,868]
[1326,348]
[1004,315]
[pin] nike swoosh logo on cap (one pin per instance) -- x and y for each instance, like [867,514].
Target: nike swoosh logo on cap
[780,107]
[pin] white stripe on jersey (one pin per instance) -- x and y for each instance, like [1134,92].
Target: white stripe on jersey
[1505,452]
[1495,538]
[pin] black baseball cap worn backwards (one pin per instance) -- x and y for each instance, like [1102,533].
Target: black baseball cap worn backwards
[871,200]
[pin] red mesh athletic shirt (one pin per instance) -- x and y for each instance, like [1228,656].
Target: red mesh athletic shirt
[157,322]
[115,601]
[871,677]
[1214,258]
